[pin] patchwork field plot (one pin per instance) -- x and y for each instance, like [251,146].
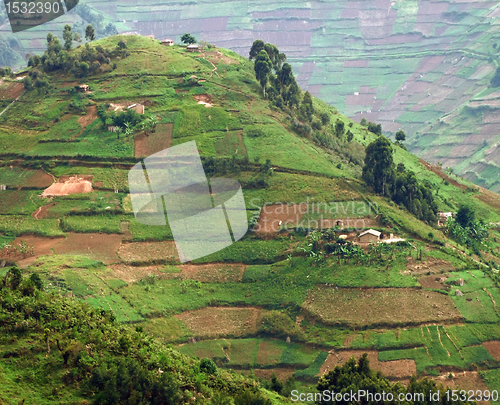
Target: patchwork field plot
[102,247]
[383,306]
[17,177]
[148,252]
[441,351]
[131,274]
[212,272]
[251,353]
[396,369]
[149,143]
[221,321]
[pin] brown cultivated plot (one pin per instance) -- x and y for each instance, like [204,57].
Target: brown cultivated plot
[355,307]
[221,321]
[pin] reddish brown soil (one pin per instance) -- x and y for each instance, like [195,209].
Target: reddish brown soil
[271,215]
[148,143]
[85,120]
[69,185]
[131,274]
[437,170]
[97,246]
[433,282]
[429,265]
[494,348]
[206,98]
[42,212]
[13,90]
[464,380]
[41,247]
[148,252]
[282,373]
[396,369]
[221,321]
[98,184]
[39,179]
[212,272]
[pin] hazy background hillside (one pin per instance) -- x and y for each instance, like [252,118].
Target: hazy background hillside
[405,64]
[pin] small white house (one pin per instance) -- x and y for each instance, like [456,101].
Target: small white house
[371,235]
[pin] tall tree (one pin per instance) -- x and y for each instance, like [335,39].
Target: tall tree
[257,46]
[68,37]
[379,165]
[306,107]
[466,216]
[89,33]
[262,68]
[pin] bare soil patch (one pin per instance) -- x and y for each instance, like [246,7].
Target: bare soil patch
[394,369]
[437,170]
[283,373]
[148,143]
[494,348]
[85,120]
[41,247]
[220,57]
[42,212]
[431,265]
[464,380]
[131,274]
[97,246]
[69,185]
[212,272]
[149,252]
[221,321]
[205,99]
[355,307]
[12,90]
[272,217]
[436,282]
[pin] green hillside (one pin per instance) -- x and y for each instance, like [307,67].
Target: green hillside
[294,299]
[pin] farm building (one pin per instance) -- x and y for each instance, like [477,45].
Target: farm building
[371,235]
[193,48]
[443,217]
[139,108]
[83,87]
[167,42]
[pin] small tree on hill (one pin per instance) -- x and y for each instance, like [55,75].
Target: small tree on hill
[400,136]
[188,39]
[89,33]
